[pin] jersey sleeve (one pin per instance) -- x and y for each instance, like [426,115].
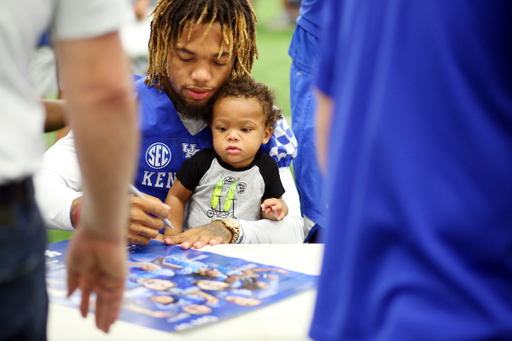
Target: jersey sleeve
[193,169]
[282,145]
[270,173]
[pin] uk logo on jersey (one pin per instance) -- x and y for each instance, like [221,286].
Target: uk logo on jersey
[189,150]
[158,155]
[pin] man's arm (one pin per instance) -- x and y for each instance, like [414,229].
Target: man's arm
[263,231]
[287,231]
[57,183]
[58,186]
[55,114]
[102,113]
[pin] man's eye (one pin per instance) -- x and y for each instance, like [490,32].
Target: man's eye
[184,59]
[219,63]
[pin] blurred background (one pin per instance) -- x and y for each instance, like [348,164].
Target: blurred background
[276,22]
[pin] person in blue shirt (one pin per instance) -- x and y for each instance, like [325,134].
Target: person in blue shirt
[194,48]
[416,101]
[304,51]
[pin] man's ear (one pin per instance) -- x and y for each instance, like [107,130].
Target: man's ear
[267,135]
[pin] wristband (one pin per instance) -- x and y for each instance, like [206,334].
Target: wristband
[234,227]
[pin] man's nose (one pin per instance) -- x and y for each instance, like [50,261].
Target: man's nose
[201,73]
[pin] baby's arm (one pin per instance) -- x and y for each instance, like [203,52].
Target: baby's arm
[176,199]
[274,209]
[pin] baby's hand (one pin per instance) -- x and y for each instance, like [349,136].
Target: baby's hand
[274,207]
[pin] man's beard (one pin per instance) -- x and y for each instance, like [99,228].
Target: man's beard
[191,111]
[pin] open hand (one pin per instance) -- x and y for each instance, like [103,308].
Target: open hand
[97,265]
[213,233]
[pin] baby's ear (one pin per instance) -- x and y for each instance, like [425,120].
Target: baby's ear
[267,135]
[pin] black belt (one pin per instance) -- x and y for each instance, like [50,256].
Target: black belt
[15,192]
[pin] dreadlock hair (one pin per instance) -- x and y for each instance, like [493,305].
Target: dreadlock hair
[171,17]
[247,87]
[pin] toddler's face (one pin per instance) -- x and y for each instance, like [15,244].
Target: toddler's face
[238,128]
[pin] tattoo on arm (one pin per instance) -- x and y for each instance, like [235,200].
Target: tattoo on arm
[219,230]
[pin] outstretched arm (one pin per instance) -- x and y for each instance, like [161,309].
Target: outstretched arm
[264,231]
[103,116]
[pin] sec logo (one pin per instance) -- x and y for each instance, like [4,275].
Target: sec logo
[158,155]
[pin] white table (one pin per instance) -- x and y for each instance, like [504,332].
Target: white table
[288,319]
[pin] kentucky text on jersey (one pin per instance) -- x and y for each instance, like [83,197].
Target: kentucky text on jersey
[159,179]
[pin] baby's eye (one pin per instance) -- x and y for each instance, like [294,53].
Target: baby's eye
[246,130]
[221,128]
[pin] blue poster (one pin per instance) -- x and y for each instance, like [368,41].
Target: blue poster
[171,289]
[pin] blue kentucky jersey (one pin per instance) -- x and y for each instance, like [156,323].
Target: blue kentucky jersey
[166,142]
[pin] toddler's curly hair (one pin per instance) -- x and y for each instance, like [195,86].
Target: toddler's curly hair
[247,87]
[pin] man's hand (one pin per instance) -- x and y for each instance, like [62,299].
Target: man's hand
[143,226]
[97,265]
[213,234]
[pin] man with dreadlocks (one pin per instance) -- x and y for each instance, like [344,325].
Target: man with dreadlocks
[194,48]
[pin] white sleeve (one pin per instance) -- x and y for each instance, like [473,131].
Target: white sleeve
[57,184]
[79,19]
[287,231]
